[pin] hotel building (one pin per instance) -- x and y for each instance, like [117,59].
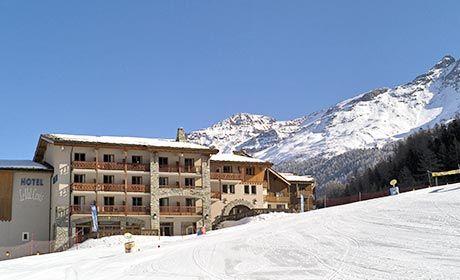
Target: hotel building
[141,185]
[138,185]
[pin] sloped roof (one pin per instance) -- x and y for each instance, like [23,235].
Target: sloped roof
[297,178]
[236,158]
[70,139]
[23,165]
[122,140]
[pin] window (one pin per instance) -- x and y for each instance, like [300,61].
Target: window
[109,200]
[109,179]
[162,161]
[79,178]
[280,206]
[25,236]
[136,180]
[246,189]
[80,157]
[79,200]
[189,163]
[136,159]
[253,189]
[137,201]
[228,188]
[164,201]
[189,182]
[163,181]
[109,158]
[228,169]
[250,171]
[189,202]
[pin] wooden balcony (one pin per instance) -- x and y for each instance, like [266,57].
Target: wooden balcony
[180,210]
[138,167]
[110,187]
[216,195]
[84,164]
[84,187]
[111,166]
[138,188]
[226,176]
[279,199]
[111,209]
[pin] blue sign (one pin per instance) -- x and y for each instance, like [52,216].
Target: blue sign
[94,217]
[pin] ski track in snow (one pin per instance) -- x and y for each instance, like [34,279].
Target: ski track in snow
[414,235]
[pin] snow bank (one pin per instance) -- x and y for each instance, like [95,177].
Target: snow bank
[413,235]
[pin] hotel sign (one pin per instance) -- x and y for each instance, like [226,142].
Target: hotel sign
[30,192]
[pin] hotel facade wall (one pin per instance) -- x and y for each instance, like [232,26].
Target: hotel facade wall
[62,157]
[30,204]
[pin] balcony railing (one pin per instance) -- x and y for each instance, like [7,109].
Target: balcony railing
[83,187]
[180,210]
[226,176]
[178,168]
[112,209]
[110,187]
[111,166]
[84,165]
[138,167]
[280,199]
[138,188]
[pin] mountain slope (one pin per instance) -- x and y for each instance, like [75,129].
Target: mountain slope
[369,120]
[413,235]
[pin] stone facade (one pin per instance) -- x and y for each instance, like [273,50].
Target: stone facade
[154,189]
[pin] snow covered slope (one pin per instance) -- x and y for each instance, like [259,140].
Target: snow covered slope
[414,235]
[369,120]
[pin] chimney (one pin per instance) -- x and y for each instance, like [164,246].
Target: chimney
[181,135]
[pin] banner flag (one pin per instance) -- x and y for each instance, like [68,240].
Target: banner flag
[302,203]
[94,217]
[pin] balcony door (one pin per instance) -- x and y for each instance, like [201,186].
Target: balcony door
[166,229]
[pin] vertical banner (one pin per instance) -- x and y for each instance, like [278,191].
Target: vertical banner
[94,217]
[302,203]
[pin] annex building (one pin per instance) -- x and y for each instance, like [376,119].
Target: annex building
[139,185]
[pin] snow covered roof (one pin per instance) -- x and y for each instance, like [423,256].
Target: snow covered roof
[23,165]
[297,178]
[121,140]
[236,158]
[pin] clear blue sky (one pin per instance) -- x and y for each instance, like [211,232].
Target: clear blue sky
[144,68]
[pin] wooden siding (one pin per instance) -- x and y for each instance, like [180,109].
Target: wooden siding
[6,195]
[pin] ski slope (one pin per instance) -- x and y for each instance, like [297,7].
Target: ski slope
[414,235]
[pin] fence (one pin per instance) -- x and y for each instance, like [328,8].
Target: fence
[328,202]
[30,248]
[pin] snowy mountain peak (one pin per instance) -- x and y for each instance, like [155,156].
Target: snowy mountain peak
[246,119]
[446,61]
[369,120]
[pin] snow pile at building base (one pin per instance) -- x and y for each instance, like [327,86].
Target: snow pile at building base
[413,235]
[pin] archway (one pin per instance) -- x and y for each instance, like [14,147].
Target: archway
[239,209]
[237,205]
